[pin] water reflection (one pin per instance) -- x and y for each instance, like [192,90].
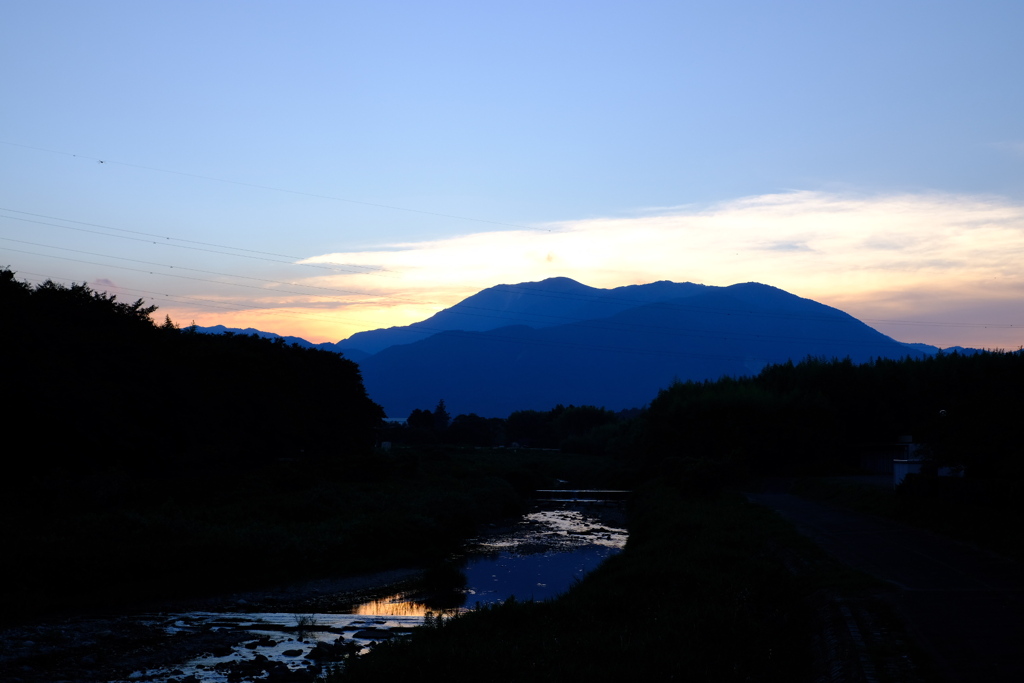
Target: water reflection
[534,576]
[398,605]
[540,558]
[574,526]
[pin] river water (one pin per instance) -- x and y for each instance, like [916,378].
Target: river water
[537,558]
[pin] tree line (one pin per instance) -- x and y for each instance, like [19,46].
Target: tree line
[816,416]
[96,384]
[821,416]
[570,428]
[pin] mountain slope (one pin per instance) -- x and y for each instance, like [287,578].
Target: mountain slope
[551,302]
[619,360]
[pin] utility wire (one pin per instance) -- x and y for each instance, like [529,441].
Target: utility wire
[339,267]
[483,312]
[193,270]
[278,189]
[207,303]
[183,277]
[518,289]
[397,208]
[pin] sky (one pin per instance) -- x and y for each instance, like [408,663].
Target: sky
[318,168]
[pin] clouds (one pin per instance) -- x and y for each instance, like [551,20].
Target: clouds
[366,125]
[901,262]
[797,240]
[907,255]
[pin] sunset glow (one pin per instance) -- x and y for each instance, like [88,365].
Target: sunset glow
[337,168]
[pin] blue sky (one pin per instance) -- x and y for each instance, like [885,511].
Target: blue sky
[867,155]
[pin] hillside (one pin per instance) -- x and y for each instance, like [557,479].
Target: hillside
[570,344]
[549,303]
[534,345]
[100,385]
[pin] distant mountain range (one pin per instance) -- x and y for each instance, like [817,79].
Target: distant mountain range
[220,329]
[534,345]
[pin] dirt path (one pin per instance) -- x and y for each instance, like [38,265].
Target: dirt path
[964,606]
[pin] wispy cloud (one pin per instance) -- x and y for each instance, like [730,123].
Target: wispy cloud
[786,246]
[895,256]
[813,243]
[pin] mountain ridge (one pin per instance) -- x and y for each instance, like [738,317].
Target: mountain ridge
[554,301]
[533,345]
[619,361]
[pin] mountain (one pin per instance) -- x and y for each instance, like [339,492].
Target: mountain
[249,331]
[534,345]
[572,344]
[552,302]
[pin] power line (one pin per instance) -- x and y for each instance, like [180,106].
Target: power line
[464,308]
[278,189]
[335,268]
[207,303]
[520,289]
[369,268]
[397,208]
[194,270]
[485,312]
[183,277]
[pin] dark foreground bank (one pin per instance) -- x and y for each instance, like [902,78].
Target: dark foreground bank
[709,588]
[116,540]
[961,600]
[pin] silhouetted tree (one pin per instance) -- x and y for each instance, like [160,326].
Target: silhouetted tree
[420,420]
[441,418]
[473,430]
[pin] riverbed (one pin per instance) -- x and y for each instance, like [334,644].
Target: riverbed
[276,637]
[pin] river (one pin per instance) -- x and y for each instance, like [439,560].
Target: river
[537,558]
